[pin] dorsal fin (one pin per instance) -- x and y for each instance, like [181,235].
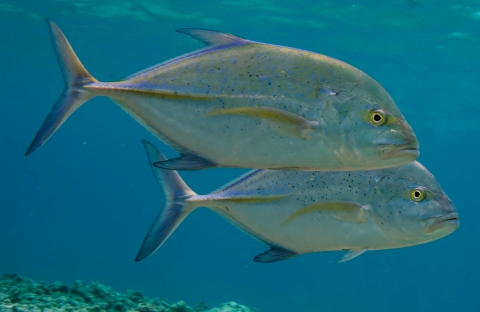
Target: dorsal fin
[211,37]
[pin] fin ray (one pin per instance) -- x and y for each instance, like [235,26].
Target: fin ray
[200,35]
[212,37]
[352,254]
[274,254]
[66,104]
[75,77]
[174,210]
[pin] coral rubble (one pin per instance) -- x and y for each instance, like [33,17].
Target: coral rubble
[18,294]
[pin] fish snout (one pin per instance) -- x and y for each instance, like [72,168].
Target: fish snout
[407,131]
[449,219]
[405,148]
[446,204]
[408,149]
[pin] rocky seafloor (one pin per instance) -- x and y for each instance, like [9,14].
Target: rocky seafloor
[18,294]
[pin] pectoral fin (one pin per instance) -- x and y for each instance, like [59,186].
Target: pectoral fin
[275,254]
[186,161]
[281,121]
[341,210]
[351,255]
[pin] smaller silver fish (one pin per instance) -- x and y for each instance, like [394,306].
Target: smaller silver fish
[300,212]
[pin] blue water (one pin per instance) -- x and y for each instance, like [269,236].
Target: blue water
[79,207]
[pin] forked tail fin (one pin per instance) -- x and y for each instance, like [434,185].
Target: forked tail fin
[175,208]
[74,94]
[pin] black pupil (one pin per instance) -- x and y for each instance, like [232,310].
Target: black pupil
[377,117]
[417,194]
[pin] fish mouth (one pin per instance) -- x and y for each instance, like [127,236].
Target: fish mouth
[409,149]
[448,219]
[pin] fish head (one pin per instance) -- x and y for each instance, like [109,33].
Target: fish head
[368,130]
[410,206]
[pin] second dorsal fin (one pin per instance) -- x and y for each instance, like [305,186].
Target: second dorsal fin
[211,37]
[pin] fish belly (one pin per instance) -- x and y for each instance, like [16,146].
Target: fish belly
[230,141]
[312,232]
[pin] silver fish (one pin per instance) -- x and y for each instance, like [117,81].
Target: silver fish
[300,212]
[240,103]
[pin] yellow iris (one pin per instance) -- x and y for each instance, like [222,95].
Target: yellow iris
[417,195]
[378,118]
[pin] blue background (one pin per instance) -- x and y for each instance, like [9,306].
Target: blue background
[79,207]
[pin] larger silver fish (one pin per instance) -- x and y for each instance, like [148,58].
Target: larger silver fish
[300,212]
[239,103]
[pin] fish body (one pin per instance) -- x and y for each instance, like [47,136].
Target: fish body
[300,212]
[239,103]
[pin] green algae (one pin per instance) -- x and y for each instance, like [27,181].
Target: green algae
[18,294]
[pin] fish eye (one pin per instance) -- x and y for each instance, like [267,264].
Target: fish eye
[417,194]
[378,117]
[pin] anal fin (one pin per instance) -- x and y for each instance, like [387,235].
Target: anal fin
[186,161]
[275,254]
[351,255]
